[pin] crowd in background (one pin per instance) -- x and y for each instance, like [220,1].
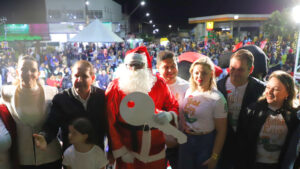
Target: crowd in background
[55,66]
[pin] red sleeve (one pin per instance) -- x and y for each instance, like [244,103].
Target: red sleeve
[113,97]
[169,102]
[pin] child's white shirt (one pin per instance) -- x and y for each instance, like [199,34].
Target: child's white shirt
[93,159]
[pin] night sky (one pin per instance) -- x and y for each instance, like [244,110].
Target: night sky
[178,11]
[23,11]
[162,12]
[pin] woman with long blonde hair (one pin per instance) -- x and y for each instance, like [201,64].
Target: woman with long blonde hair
[205,118]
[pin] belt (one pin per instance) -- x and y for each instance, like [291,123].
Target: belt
[144,127]
[133,132]
[192,132]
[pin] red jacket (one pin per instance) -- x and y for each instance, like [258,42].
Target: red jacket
[124,137]
[11,127]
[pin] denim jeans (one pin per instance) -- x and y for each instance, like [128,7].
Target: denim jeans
[196,151]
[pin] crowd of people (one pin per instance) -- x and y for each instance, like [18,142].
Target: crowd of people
[60,110]
[55,66]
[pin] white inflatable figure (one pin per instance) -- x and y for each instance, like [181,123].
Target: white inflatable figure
[138,109]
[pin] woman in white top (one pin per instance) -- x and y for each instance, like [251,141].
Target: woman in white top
[205,118]
[28,103]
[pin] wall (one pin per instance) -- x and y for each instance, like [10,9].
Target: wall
[74,10]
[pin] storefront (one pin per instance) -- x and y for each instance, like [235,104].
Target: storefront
[229,25]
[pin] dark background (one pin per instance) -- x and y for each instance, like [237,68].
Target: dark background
[162,12]
[177,12]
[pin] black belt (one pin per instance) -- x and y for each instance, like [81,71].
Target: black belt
[136,128]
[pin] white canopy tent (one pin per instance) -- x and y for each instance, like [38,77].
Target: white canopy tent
[96,32]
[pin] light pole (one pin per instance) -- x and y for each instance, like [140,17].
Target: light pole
[142,3]
[295,16]
[86,4]
[3,21]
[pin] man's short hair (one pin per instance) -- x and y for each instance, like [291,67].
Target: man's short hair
[86,64]
[164,55]
[244,54]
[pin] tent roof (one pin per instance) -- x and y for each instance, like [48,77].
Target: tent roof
[96,32]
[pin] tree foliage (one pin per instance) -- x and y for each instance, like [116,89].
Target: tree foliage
[280,24]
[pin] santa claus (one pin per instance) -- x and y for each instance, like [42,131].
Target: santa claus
[136,147]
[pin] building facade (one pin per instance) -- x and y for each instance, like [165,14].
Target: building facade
[229,25]
[67,17]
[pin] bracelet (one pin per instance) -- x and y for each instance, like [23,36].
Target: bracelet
[215,156]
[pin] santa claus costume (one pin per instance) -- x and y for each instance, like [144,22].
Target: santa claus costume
[144,145]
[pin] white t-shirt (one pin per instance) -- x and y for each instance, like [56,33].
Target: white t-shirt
[93,159]
[201,108]
[5,143]
[235,97]
[271,138]
[178,89]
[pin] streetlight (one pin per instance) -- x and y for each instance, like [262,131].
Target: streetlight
[150,21]
[170,26]
[155,31]
[296,14]
[153,26]
[147,14]
[142,3]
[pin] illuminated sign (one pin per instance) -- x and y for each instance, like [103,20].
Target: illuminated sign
[209,26]
[17,28]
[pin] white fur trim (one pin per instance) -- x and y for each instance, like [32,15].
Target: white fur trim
[119,152]
[146,143]
[135,57]
[148,158]
[145,150]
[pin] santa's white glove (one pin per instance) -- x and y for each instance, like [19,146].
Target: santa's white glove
[127,158]
[163,117]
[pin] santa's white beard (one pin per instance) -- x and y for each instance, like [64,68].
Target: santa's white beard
[141,80]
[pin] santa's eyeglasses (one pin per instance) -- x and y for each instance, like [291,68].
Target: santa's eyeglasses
[135,65]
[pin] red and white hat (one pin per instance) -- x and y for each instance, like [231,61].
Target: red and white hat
[139,54]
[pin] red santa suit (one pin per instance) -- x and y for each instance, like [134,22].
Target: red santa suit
[146,145]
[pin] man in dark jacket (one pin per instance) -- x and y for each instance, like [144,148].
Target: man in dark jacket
[240,90]
[82,100]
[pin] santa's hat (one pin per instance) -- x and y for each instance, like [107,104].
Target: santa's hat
[139,54]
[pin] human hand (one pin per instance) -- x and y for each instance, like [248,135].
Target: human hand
[40,141]
[163,117]
[210,163]
[127,158]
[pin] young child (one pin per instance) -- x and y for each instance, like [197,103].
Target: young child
[83,153]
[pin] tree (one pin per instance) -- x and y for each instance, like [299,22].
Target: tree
[280,24]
